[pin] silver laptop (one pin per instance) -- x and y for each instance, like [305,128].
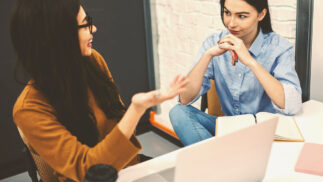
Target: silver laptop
[241,156]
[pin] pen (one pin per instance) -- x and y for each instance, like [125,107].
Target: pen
[255,118]
[235,58]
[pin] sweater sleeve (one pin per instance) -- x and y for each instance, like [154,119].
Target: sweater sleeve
[62,151]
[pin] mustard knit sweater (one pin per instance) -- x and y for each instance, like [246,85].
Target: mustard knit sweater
[36,118]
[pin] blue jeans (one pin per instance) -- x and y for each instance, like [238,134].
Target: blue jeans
[191,125]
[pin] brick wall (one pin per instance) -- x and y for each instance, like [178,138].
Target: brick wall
[180,27]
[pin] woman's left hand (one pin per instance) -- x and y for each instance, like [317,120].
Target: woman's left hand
[233,43]
[155,97]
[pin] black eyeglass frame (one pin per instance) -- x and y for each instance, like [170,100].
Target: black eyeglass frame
[88,24]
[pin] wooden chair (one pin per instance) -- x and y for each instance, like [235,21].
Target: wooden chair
[211,101]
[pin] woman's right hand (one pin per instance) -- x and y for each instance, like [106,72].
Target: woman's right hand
[145,100]
[215,51]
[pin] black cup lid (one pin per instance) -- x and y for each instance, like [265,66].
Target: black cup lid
[101,173]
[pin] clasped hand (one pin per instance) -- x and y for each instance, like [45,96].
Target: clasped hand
[235,46]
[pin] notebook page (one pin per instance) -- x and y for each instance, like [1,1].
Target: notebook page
[229,124]
[286,128]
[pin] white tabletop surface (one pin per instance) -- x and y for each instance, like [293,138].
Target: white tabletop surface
[282,160]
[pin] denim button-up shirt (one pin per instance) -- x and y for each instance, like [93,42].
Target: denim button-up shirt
[239,90]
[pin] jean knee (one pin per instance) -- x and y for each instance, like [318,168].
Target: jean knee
[177,113]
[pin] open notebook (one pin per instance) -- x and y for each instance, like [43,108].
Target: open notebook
[287,129]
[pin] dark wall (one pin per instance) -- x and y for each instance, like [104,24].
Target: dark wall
[10,144]
[121,41]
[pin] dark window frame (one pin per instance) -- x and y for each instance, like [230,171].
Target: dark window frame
[303,47]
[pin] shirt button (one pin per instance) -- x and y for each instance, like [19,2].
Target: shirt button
[240,75]
[236,94]
[237,110]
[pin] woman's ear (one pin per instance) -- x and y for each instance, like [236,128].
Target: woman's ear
[262,14]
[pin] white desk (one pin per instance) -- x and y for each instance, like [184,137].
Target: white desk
[282,160]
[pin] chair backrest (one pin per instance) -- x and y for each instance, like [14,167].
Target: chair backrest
[213,101]
[30,163]
[46,173]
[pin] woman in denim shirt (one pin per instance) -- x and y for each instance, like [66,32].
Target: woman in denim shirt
[253,69]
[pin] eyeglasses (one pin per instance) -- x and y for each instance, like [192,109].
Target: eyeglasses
[89,24]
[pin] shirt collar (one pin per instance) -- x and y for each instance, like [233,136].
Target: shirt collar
[256,45]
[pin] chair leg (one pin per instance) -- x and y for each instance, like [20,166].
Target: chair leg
[31,167]
[204,102]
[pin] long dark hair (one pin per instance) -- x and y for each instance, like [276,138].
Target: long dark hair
[45,38]
[265,24]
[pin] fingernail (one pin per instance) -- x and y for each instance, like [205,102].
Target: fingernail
[156,95]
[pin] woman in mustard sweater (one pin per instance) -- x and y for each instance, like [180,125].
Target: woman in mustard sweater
[70,111]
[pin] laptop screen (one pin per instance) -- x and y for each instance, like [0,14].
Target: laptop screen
[240,156]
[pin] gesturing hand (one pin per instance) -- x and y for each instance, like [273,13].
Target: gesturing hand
[146,100]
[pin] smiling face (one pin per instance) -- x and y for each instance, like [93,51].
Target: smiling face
[84,34]
[242,19]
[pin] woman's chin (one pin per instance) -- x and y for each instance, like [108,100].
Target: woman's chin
[87,52]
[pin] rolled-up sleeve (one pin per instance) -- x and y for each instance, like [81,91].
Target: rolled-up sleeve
[293,100]
[285,73]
